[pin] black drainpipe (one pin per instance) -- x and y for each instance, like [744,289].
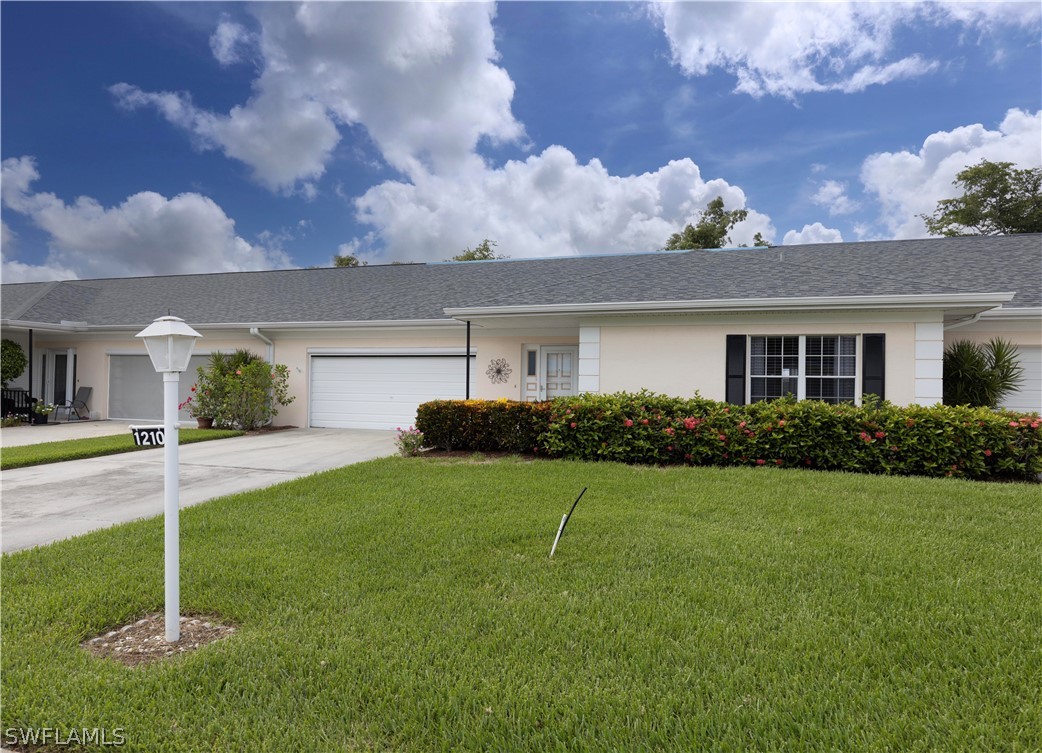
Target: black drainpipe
[467,356]
[30,370]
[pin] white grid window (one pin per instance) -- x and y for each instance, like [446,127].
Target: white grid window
[811,367]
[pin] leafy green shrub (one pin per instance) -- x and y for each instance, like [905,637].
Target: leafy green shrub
[646,428]
[12,361]
[251,394]
[239,390]
[482,425]
[883,438]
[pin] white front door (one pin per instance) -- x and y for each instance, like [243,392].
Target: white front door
[549,371]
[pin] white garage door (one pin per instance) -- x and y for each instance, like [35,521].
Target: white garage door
[1029,397]
[136,389]
[382,392]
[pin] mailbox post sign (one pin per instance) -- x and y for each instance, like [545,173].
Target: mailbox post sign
[169,342]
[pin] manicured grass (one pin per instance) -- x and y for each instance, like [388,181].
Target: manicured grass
[410,605]
[92,447]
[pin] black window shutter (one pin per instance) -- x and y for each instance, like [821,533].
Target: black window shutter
[873,370]
[736,369]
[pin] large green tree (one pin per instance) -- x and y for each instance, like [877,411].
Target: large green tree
[997,199]
[481,252]
[712,229]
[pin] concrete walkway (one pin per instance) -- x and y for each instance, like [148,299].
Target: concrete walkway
[46,503]
[17,436]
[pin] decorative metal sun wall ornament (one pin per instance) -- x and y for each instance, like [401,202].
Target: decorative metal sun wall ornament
[498,371]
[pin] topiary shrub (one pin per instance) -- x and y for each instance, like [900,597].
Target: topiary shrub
[482,425]
[12,361]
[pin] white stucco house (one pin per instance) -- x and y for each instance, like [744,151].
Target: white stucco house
[366,345]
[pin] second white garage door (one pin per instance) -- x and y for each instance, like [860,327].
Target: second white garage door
[1028,398]
[382,392]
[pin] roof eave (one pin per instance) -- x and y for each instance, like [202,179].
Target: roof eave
[928,301]
[21,324]
[136,327]
[1024,312]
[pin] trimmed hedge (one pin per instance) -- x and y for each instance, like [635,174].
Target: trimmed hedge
[483,425]
[959,441]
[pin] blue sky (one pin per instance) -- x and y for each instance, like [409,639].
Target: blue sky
[159,138]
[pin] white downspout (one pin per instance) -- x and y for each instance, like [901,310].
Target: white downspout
[255,331]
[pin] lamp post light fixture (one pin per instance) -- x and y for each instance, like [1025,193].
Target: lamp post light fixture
[170,343]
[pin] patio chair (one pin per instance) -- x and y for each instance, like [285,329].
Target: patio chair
[77,405]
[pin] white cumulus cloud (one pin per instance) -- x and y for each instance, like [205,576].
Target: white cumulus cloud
[815,233]
[230,42]
[908,184]
[420,77]
[786,49]
[546,205]
[147,234]
[7,236]
[285,139]
[832,195]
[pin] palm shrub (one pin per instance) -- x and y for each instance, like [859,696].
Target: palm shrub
[980,375]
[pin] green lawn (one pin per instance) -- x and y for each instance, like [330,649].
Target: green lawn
[92,447]
[410,605]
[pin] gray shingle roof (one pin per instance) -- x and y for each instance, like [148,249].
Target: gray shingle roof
[947,265]
[423,291]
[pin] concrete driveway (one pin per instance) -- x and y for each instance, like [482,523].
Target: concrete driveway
[46,503]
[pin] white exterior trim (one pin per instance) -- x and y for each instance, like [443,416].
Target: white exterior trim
[46,326]
[929,362]
[989,300]
[1016,313]
[143,352]
[589,359]
[353,324]
[392,351]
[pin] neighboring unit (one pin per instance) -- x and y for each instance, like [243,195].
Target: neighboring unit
[366,345]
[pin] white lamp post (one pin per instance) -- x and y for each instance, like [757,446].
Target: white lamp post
[170,342]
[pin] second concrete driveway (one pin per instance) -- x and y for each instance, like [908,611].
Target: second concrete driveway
[46,503]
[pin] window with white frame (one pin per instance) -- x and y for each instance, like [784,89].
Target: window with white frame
[809,367]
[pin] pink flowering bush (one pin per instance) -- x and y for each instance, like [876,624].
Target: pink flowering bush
[409,441]
[646,428]
[975,443]
[238,390]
